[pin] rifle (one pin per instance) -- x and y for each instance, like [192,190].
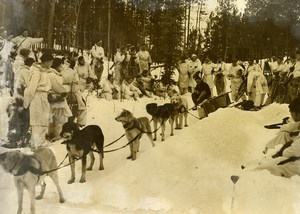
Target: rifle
[112,66]
[277,125]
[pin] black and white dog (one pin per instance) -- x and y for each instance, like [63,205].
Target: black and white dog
[80,143]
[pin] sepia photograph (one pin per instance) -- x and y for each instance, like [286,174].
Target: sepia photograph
[150,106]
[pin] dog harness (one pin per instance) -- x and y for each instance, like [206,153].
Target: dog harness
[26,166]
[15,164]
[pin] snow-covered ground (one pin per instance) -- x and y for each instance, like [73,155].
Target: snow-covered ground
[189,172]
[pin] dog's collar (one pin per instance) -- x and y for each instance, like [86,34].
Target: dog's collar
[131,125]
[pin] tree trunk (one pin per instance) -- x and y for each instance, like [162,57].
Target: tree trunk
[2,13]
[188,25]
[108,33]
[77,12]
[50,24]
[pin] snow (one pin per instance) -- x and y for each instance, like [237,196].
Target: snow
[189,172]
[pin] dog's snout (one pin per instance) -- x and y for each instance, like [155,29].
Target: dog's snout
[67,136]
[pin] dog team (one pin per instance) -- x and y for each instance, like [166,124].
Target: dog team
[30,170]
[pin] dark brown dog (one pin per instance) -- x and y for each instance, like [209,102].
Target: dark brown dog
[80,143]
[134,127]
[29,171]
[160,115]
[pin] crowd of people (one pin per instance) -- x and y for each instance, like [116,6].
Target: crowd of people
[47,88]
[260,81]
[55,83]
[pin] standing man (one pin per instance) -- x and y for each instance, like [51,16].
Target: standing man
[219,77]
[294,85]
[6,66]
[207,70]
[236,73]
[183,77]
[97,52]
[84,71]
[24,41]
[144,59]
[6,45]
[195,66]
[35,98]
[118,60]
[257,85]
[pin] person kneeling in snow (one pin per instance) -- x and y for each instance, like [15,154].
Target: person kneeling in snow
[201,92]
[110,91]
[286,131]
[129,91]
[286,161]
[139,83]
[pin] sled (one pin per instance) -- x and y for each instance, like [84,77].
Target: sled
[205,109]
[221,101]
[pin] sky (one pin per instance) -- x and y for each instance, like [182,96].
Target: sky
[188,173]
[211,4]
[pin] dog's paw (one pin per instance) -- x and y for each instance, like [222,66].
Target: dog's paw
[101,168]
[62,200]
[71,181]
[82,180]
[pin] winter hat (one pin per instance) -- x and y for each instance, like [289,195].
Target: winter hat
[194,56]
[294,106]
[56,63]
[24,52]
[46,57]
[29,61]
